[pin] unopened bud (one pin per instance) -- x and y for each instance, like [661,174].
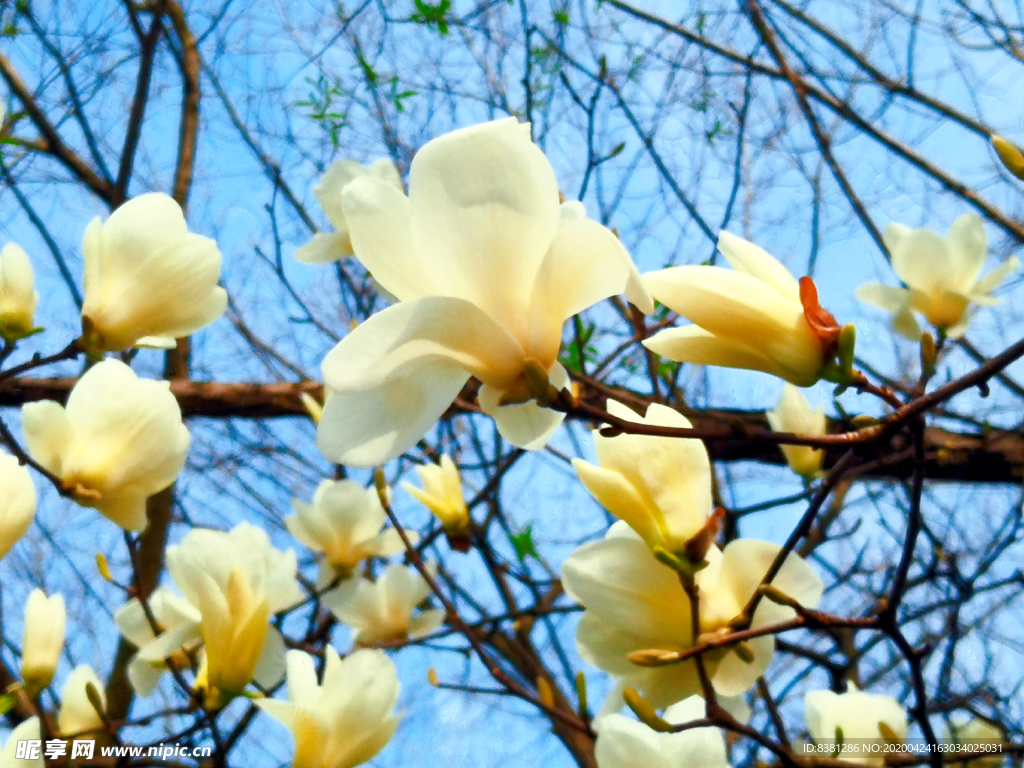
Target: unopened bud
[547,696]
[645,712]
[1012,157]
[104,567]
[653,657]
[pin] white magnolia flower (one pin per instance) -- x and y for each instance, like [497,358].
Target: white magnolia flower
[344,521]
[635,603]
[345,721]
[170,612]
[383,609]
[77,714]
[326,247]
[980,732]
[855,715]
[660,486]
[442,494]
[18,296]
[487,267]
[793,414]
[942,275]
[18,505]
[236,580]
[148,280]
[119,440]
[43,639]
[27,730]
[754,316]
[626,743]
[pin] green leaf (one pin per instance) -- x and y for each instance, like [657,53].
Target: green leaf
[523,543]
[433,14]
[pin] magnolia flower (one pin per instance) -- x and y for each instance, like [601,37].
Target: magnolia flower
[635,603]
[43,639]
[344,521]
[170,612]
[442,495]
[793,414]
[18,505]
[327,247]
[148,280]
[27,730]
[383,609]
[77,714]
[660,486]
[755,316]
[979,732]
[119,440]
[626,743]
[486,267]
[18,297]
[941,275]
[236,580]
[855,715]
[345,721]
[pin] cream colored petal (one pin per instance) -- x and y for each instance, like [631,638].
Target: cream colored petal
[77,714]
[525,425]
[302,685]
[967,244]
[132,623]
[330,190]
[585,264]
[145,675]
[621,582]
[614,492]
[734,676]
[887,297]
[426,622]
[324,248]
[27,730]
[744,256]
[692,344]
[894,236]
[18,505]
[995,278]
[47,433]
[485,208]
[379,219]
[923,261]
[270,666]
[625,743]
[170,642]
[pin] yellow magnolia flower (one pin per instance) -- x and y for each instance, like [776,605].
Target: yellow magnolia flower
[384,609]
[345,721]
[43,639]
[344,521]
[942,275]
[326,247]
[148,280]
[77,714]
[660,486]
[793,414]
[119,440]
[170,612]
[236,581]
[27,730]
[486,267]
[18,297]
[855,715]
[635,603]
[442,494]
[18,505]
[754,316]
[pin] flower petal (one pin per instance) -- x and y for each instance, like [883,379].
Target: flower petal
[743,256]
[967,244]
[692,344]
[485,208]
[525,425]
[887,297]
[324,248]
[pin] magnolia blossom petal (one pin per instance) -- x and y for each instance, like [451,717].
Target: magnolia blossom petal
[692,344]
[887,297]
[625,743]
[585,264]
[995,278]
[746,257]
[968,246]
[77,714]
[485,209]
[18,505]
[525,425]
[922,260]
[270,667]
[616,494]
[380,221]
[47,433]
[324,248]
[18,297]
[26,730]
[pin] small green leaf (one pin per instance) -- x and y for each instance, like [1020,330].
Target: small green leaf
[523,544]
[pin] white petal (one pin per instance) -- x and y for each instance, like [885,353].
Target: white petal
[270,667]
[380,227]
[967,244]
[995,278]
[47,433]
[692,344]
[485,208]
[887,297]
[525,425]
[744,256]
[324,248]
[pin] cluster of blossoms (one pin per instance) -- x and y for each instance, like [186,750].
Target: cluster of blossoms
[483,264]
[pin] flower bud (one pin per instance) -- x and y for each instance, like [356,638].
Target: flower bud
[442,495]
[45,619]
[793,414]
[78,706]
[18,297]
